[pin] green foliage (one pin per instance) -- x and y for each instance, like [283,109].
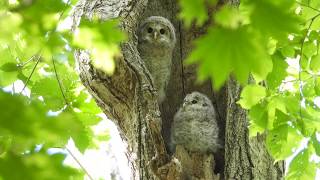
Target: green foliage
[250,29]
[301,167]
[249,40]
[34,51]
[103,41]
[194,11]
[35,165]
[276,44]
[251,95]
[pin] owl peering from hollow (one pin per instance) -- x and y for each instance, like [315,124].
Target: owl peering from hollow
[195,126]
[156,41]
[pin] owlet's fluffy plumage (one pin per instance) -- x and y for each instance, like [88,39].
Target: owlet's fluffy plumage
[195,126]
[156,41]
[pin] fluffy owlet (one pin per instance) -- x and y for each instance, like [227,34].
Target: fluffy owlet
[195,126]
[156,41]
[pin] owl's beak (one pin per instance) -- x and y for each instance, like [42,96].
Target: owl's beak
[155,35]
[185,103]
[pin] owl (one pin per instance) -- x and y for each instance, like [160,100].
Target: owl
[156,41]
[195,126]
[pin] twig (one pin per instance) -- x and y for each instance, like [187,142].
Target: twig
[78,162]
[59,82]
[29,60]
[300,70]
[34,68]
[305,5]
[314,17]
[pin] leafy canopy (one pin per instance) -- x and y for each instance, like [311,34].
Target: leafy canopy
[275,44]
[42,101]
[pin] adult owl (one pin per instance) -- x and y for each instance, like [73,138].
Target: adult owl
[195,126]
[156,41]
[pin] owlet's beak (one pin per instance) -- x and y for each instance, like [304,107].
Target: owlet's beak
[185,103]
[155,35]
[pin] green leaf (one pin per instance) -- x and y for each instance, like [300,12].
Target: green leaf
[317,86]
[31,125]
[229,17]
[76,129]
[308,88]
[281,141]
[217,57]
[288,51]
[315,63]
[103,38]
[7,78]
[17,116]
[278,74]
[276,107]
[281,119]
[309,117]
[258,117]
[274,19]
[316,24]
[5,142]
[49,89]
[315,143]
[301,167]
[314,35]
[35,165]
[309,49]
[86,104]
[194,10]
[37,16]
[9,67]
[251,95]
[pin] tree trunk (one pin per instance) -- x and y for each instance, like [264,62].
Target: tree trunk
[129,100]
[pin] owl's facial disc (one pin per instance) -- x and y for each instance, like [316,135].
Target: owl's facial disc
[157,34]
[194,101]
[191,101]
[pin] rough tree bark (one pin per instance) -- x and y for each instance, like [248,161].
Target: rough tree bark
[129,99]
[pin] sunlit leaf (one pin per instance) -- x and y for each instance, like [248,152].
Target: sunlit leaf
[229,17]
[315,63]
[49,89]
[35,165]
[103,41]
[272,19]
[194,11]
[301,167]
[282,141]
[278,73]
[251,95]
[315,143]
[258,117]
[218,57]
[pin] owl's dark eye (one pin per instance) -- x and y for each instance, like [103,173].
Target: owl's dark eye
[162,31]
[150,30]
[194,101]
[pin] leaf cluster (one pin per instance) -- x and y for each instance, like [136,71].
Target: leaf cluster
[275,44]
[42,101]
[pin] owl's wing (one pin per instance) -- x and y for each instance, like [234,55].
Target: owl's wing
[181,126]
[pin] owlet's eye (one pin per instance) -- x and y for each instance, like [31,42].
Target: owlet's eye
[194,101]
[162,31]
[150,30]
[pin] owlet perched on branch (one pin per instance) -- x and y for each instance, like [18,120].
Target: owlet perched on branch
[195,126]
[156,41]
